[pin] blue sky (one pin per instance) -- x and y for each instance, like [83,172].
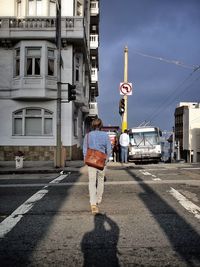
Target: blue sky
[163,39]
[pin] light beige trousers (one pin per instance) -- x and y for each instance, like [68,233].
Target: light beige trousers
[96,185]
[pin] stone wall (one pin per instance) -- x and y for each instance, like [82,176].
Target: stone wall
[37,153]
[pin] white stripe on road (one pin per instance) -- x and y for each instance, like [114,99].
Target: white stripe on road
[149,174]
[59,178]
[187,204]
[9,223]
[145,173]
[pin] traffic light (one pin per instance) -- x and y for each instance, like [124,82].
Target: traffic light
[121,106]
[71,92]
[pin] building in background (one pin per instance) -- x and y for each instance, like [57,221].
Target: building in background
[28,76]
[187,131]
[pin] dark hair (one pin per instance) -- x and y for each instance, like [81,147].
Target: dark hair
[97,124]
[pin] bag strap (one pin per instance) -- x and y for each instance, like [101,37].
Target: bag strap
[87,140]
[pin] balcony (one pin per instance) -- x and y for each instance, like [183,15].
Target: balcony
[93,109]
[72,28]
[94,41]
[94,91]
[94,8]
[94,75]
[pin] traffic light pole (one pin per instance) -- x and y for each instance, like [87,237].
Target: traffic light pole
[58,162]
[124,117]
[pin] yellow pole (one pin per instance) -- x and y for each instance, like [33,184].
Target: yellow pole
[124,117]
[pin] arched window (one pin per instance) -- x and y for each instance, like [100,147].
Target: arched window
[33,122]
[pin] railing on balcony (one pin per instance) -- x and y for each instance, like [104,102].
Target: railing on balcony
[94,75]
[38,22]
[94,8]
[93,109]
[94,41]
[71,27]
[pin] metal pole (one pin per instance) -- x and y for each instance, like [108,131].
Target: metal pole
[178,156]
[58,126]
[173,145]
[124,118]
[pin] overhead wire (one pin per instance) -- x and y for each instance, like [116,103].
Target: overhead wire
[172,97]
[178,63]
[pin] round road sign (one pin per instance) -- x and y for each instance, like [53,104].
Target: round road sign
[126,88]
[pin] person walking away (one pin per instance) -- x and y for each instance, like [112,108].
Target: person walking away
[124,144]
[98,140]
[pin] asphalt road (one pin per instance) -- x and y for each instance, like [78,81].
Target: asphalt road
[150,216]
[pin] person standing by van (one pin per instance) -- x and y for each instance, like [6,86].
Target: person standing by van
[124,144]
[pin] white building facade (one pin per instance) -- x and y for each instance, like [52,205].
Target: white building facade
[187,130]
[28,76]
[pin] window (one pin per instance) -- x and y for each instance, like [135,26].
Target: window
[19,8]
[17,62]
[39,7]
[33,58]
[35,8]
[51,62]
[32,122]
[79,7]
[77,69]
[52,8]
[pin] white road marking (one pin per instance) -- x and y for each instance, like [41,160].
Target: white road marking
[9,223]
[145,173]
[187,204]
[148,173]
[59,178]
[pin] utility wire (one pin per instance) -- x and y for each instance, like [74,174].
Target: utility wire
[172,99]
[164,102]
[176,62]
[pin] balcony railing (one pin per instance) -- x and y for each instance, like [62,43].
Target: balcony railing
[94,75]
[93,109]
[12,27]
[94,41]
[94,8]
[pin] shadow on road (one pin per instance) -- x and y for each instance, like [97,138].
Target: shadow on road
[182,236]
[99,246]
[18,246]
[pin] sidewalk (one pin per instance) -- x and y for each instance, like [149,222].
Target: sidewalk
[8,167]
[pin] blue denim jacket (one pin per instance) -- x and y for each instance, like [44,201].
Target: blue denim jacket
[97,140]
